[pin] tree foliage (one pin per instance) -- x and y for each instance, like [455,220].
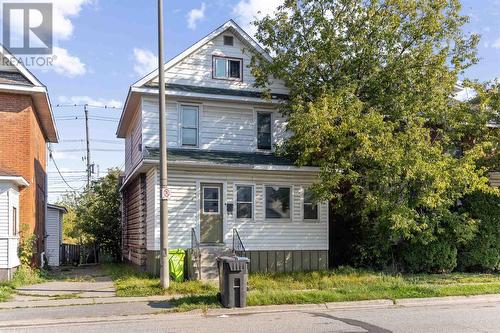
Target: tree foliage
[94,216]
[370,103]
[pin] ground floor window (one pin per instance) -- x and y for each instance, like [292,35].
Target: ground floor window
[244,202]
[278,200]
[310,207]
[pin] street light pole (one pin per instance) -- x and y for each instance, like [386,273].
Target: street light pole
[164,273]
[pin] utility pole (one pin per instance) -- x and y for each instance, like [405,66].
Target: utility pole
[87,139]
[164,193]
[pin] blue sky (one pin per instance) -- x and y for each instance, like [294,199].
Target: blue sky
[103,46]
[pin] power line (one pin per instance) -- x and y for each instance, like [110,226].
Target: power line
[59,171]
[89,105]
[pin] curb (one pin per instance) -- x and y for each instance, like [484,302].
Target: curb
[82,301]
[370,304]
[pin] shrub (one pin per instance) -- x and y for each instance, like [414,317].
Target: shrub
[26,246]
[435,257]
[483,252]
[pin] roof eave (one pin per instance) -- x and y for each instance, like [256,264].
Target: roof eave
[18,180]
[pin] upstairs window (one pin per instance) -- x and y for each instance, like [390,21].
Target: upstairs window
[229,40]
[264,133]
[189,125]
[227,68]
[310,207]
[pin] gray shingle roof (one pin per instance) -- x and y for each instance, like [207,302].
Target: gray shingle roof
[216,91]
[14,78]
[219,157]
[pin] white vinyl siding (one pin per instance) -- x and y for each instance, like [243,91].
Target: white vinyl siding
[9,198]
[151,126]
[257,233]
[222,125]
[53,232]
[196,69]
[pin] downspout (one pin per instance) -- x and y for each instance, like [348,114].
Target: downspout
[46,194]
[9,272]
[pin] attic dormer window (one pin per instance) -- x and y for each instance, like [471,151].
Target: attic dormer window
[227,68]
[229,40]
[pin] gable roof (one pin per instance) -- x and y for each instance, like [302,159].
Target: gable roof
[20,80]
[144,85]
[229,25]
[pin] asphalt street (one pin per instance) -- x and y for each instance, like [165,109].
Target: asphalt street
[456,318]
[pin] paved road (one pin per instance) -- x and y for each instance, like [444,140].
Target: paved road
[458,318]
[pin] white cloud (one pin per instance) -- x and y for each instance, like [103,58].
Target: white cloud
[145,61]
[496,44]
[63,13]
[195,15]
[66,64]
[89,100]
[247,11]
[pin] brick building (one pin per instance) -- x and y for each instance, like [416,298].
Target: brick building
[26,126]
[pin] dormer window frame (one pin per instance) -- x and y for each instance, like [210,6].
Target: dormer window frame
[226,77]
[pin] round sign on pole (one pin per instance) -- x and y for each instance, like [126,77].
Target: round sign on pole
[165,193]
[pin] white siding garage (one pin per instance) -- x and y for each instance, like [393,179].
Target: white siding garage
[53,232]
[9,224]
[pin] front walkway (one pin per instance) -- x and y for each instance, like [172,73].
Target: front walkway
[70,282]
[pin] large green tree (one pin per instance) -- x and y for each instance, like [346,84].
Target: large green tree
[99,216]
[370,103]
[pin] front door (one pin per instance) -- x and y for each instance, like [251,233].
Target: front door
[211,213]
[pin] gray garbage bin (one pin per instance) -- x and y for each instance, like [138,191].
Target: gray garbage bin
[233,280]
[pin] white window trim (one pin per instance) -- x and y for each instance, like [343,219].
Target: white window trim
[256,130]
[180,126]
[303,202]
[270,219]
[226,77]
[220,212]
[235,191]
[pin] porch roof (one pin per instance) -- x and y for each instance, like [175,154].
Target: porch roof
[219,157]
[216,91]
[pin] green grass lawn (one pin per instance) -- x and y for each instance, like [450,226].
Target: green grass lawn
[343,284]
[22,277]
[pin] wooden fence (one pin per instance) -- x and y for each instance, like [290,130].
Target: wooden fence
[74,254]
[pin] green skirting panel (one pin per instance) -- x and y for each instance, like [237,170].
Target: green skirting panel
[287,261]
[153,262]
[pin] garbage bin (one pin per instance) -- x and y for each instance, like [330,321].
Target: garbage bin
[233,280]
[176,264]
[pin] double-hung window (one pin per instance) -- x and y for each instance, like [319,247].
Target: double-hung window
[189,125]
[244,202]
[264,132]
[278,201]
[310,207]
[227,68]
[14,222]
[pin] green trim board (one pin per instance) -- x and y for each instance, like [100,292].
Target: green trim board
[216,91]
[219,157]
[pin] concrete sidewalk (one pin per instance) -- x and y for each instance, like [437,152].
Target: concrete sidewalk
[69,282]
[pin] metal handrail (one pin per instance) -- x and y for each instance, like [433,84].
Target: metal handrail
[195,248]
[237,242]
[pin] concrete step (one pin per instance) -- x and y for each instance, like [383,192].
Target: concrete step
[209,254]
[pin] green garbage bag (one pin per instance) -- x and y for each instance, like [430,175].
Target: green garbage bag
[176,264]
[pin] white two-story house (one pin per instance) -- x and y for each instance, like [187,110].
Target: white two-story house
[228,188]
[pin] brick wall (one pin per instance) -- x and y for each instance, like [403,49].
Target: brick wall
[23,151]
